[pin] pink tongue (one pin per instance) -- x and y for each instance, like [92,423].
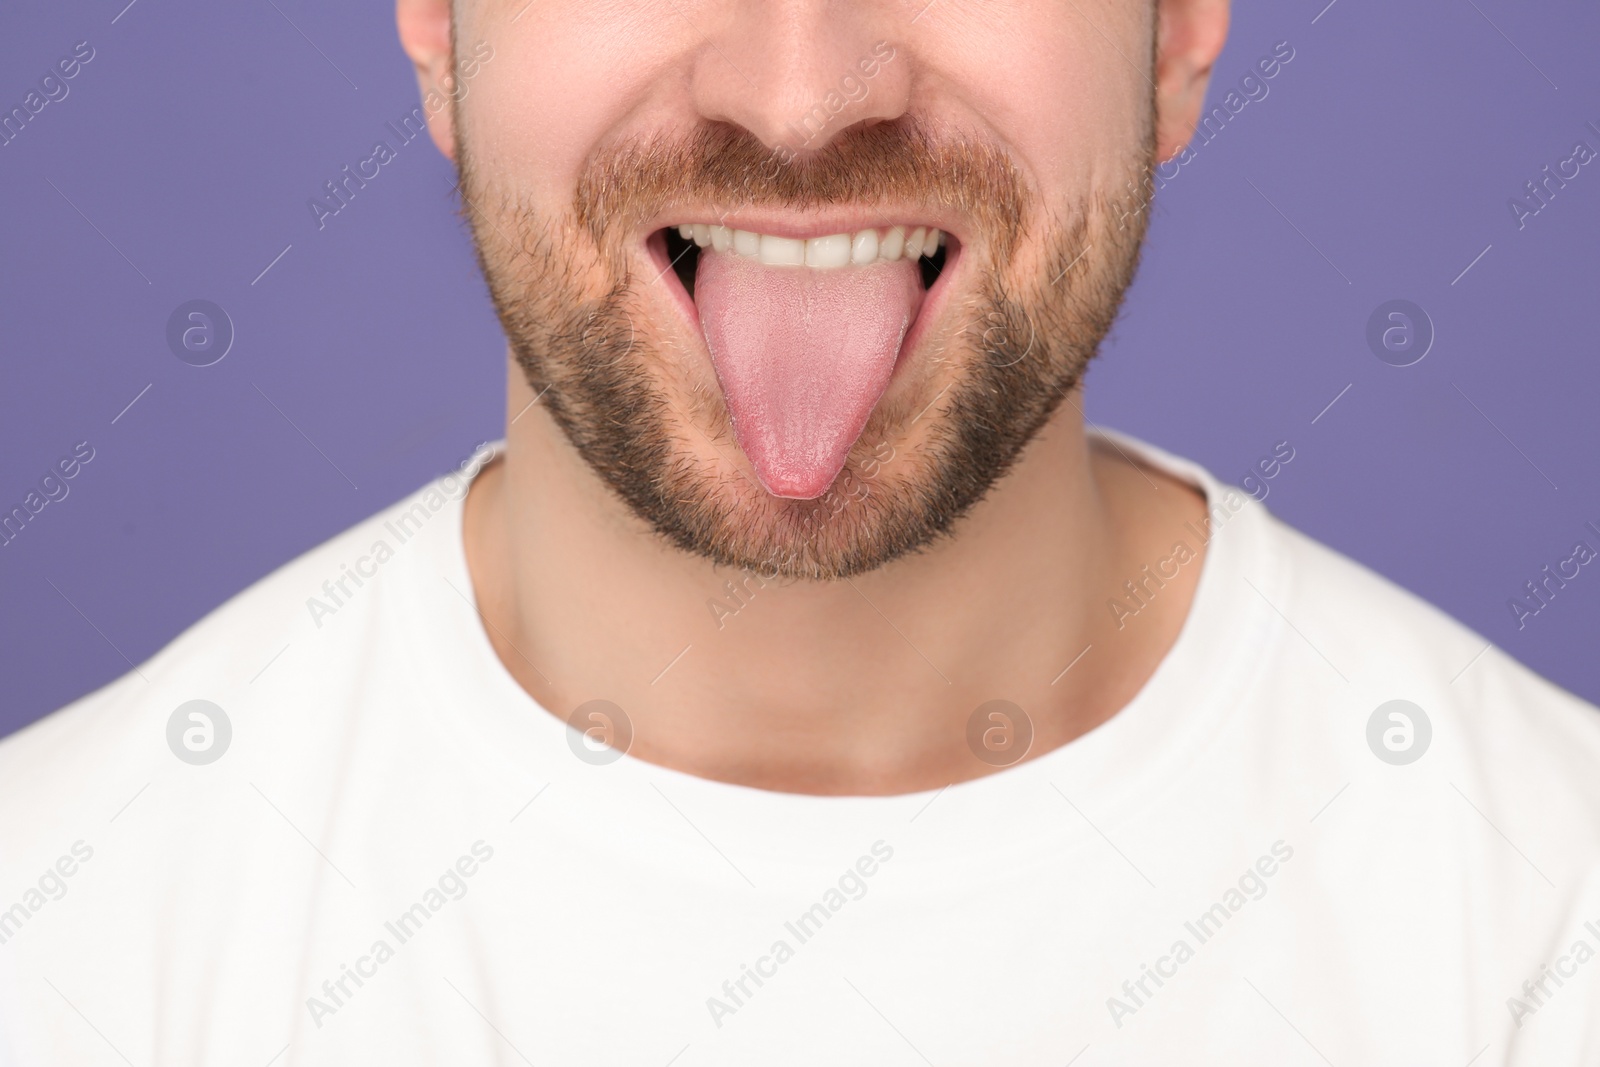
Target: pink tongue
[803,356]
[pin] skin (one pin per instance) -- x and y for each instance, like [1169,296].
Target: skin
[865,686]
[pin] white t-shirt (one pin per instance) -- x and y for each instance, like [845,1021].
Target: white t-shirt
[399,858]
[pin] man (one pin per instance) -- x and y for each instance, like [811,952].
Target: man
[802,681]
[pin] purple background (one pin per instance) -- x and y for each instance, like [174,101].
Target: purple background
[194,138]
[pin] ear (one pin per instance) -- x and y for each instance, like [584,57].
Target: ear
[1189,36]
[425,35]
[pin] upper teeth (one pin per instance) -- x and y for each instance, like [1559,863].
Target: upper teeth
[835,250]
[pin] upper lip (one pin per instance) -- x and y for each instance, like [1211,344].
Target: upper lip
[804,225]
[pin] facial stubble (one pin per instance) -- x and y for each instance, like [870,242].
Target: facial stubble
[631,397]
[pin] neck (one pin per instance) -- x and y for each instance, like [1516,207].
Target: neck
[863,686]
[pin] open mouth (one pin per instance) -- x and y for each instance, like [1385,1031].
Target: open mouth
[923,245]
[804,333]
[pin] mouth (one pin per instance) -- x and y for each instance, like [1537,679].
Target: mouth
[923,245]
[805,331]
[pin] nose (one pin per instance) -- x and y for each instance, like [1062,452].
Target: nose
[795,73]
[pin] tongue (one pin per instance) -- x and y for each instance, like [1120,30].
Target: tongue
[803,356]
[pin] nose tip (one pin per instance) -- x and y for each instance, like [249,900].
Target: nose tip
[795,76]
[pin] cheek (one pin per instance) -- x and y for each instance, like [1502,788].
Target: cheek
[1058,94]
[565,79]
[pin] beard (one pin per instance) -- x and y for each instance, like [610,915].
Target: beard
[637,399]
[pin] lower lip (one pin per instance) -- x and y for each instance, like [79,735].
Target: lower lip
[933,299]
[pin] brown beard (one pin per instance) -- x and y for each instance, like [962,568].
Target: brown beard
[636,408]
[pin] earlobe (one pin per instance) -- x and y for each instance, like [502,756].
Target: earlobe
[424,27]
[1189,37]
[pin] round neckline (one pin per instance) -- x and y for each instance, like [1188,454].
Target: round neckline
[1118,767]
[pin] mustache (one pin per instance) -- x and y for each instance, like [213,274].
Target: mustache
[894,162]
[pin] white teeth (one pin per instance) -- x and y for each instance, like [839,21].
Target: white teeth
[782,251]
[893,244]
[914,243]
[822,253]
[831,251]
[864,247]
